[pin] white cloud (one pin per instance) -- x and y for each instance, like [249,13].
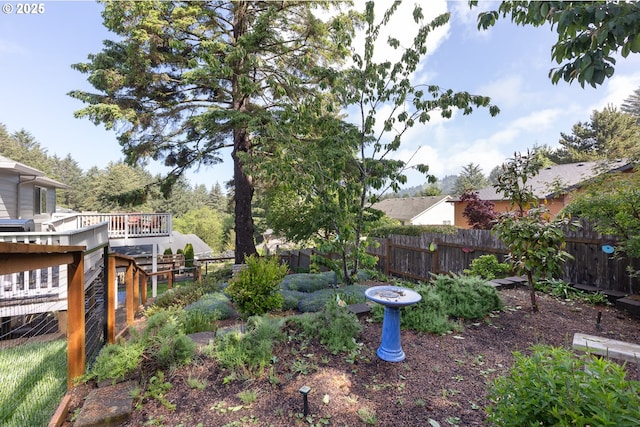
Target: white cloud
[505,91]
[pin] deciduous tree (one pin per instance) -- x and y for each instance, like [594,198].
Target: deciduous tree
[589,33]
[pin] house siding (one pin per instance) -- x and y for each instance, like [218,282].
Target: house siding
[8,196]
[441,213]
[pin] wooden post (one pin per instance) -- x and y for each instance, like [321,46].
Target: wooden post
[111,301]
[145,283]
[387,259]
[170,279]
[76,357]
[129,294]
[435,260]
[136,288]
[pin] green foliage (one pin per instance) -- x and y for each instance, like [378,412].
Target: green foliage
[206,223]
[488,267]
[317,300]
[165,342]
[188,255]
[248,354]
[336,327]
[158,388]
[180,295]
[308,282]
[202,315]
[563,290]
[535,241]
[446,300]
[33,380]
[611,205]
[589,33]
[553,387]
[470,179]
[168,251]
[412,230]
[255,288]
[116,361]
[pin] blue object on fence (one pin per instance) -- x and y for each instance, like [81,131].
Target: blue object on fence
[608,249]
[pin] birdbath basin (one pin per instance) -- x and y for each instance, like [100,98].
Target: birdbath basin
[392,298]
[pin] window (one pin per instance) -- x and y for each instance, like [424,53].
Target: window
[40,205]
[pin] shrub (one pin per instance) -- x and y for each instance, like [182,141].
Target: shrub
[181,296]
[336,327]
[188,255]
[116,361]
[201,316]
[248,354]
[316,301]
[255,288]
[488,267]
[428,315]
[554,387]
[168,251]
[466,297]
[412,230]
[165,342]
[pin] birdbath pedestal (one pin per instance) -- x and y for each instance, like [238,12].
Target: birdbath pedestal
[392,297]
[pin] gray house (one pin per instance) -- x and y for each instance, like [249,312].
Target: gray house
[26,194]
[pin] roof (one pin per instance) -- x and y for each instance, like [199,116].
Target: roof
[28,174]
[563,178]
[407,208]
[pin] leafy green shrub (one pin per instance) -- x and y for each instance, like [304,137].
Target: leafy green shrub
[165,342]
[181,295]
[250,353]
[412,230]
[255,288]
[488,267]
[466,297]
[116,361]
[554,387]
[336,327]
[214,278]
[307,282]
[202,315]
[168,251]
[188,255]
[428,315]
[316,301]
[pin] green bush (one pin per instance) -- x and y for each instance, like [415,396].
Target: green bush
[316,301]
[428,315]
[188,255]
[412,230]
[168,251]
[201,316]
[308,282]
[116,361]
[180,295]
[248,354]
[466,297]
[488,267]
[165,342]
[255,288]
[554,387]
[336,327]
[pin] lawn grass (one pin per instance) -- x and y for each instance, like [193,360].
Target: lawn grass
[33,381]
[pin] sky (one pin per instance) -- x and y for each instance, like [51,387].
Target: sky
[508,63]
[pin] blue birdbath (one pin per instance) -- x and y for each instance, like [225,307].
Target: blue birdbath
[392,297]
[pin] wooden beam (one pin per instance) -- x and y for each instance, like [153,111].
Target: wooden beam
[129,294]
[111,301]
[18,262]
[76,357]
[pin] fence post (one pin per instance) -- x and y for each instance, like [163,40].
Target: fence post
[387,259]
[435,259]
[76,354]
[129,293]
[136,288]
[111,300]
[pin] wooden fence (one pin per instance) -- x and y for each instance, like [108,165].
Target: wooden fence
[436,253]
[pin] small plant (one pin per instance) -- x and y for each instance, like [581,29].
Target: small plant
[247,396]
[188,255]
[158,388]
[196,383]
[368,416]
[255,288]
[552,387]
[488,267]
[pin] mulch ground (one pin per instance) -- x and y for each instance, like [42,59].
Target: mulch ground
[443,378]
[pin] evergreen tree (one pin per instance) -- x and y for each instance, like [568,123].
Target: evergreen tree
[470,179]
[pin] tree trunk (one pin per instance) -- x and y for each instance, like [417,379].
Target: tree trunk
[245,245]
[243,183]
[532,292]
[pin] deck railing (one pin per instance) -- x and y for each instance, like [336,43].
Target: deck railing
[44,289]
[120,225]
